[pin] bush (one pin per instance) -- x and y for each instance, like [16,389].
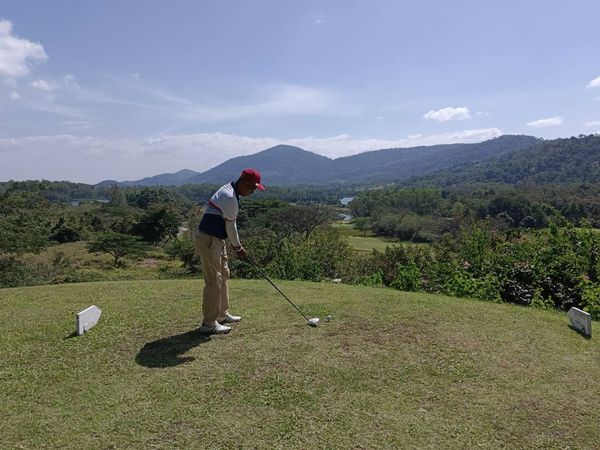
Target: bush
[183,249]
[590,298]
[159,223]
[519,287]
[14,273]
[374,280]
[462,284]
[408,278]
[63,233]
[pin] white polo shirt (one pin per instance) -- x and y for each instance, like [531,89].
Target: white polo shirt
[224,202]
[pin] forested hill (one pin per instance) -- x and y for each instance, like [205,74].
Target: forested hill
[286,165]
[280,165]
[164,179]
[402,163]
[558,161]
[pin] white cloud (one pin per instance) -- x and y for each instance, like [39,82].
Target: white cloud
[92,159]
[548,122]
[482,113]
[57,108]
[594,123]
[42,85]
[274,100]
[594,83]
[77,124]
[293,99]
[69,81]
[17,55]
[344,145]
[14,95]
[265,101]
[449,113]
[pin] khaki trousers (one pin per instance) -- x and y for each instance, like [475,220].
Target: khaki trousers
[213,253]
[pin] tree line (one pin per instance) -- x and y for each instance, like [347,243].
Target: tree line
[532,246]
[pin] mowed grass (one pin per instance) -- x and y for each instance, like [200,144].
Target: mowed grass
[366,242]
[390,370]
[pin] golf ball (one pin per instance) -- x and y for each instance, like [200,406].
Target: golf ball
[327,318]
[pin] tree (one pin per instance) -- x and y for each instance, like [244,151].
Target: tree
[118,245]
[299,219]
[183,249]
[147,196]
[159,223]
[24,224]
[24,227]
[63,232]
[362,224]
[117,197]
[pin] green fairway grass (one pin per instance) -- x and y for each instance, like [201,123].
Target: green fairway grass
[390,370]
[368,243]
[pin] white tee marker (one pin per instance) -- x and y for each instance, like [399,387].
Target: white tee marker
[581,321]
[87,318]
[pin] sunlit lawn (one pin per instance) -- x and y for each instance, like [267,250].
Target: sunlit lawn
[390,370]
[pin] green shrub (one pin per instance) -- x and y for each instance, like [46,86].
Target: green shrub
[183,249]
[538,301]
[408,278]
[590,298]
[375,280]
[461,283]
[14,273]
[321,255]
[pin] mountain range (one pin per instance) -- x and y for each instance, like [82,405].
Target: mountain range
[556,161]
[286,165]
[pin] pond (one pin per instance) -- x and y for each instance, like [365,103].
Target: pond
[345,200]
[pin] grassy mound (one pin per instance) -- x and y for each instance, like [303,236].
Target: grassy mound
[390,370]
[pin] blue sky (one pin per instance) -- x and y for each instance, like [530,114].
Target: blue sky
[123,89]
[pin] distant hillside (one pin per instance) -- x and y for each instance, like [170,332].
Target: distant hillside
[164,179]
[572,160]
[284,165]
[403,163]
[278,165]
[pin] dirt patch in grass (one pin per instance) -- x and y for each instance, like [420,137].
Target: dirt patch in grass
[148,263]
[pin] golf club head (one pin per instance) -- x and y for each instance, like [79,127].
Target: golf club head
[313,322]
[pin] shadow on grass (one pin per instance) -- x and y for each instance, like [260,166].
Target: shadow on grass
[579,332]
[166,352]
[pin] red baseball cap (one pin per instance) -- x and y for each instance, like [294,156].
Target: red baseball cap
[253,175]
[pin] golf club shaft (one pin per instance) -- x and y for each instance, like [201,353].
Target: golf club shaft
[273,284]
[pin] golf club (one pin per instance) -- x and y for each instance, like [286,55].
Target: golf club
[312,322]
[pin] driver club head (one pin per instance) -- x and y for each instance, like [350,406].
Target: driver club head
[313,322]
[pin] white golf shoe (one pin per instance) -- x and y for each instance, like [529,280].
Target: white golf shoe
[214,328]
[229,318]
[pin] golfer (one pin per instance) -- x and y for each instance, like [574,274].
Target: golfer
[218,225]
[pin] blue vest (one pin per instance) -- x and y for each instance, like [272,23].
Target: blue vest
[212,222]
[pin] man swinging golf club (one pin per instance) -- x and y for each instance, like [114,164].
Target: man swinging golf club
[218,224]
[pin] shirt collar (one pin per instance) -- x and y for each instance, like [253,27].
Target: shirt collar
[235,190]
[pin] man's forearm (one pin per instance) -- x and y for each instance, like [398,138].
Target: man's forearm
[232,233]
